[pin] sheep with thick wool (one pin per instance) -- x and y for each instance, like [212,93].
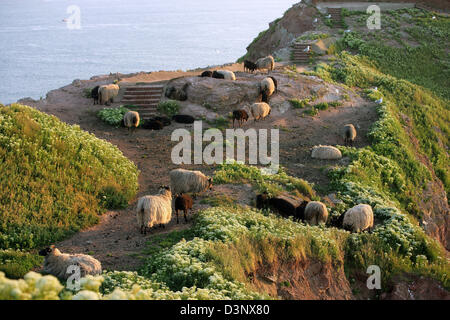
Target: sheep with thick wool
[260,110]
[349,134]
[154,209]
[107,92]
[326,153]
[57,263]
[131,119]
[227,75]
[265,63]
[268,86]
[358,218]
[315,213]
[187,181]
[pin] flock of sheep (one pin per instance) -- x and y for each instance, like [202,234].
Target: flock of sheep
[154,210]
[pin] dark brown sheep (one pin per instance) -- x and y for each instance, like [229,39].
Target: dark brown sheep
[183,202]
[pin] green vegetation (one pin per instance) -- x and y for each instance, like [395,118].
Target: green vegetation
[113,116]
[169,107]
[313,36]
[56,179]
[273,184]
[15,264]
[299,104]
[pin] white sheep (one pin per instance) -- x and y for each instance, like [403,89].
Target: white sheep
[265,63]
[315,213]
[57,263]
[131,119]
[260,110]
[155,209]
[326,153]
[187,181]
[358,218]
[268,86]
[228,75]
[349,134]
[107,92]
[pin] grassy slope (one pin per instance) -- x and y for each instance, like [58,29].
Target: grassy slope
[55,179]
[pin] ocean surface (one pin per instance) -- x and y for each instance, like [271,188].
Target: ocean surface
[42,47]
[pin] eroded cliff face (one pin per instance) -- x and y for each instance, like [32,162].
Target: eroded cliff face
[298,19]
[303,280]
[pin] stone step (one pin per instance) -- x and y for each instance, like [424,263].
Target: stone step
[148,89]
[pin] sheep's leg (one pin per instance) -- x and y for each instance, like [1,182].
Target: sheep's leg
[176,212]
[185,218]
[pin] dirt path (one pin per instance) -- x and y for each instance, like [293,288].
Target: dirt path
[116,240]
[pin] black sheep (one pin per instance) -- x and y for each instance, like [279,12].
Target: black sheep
[164,120]
[300,211]
[183,202]
[218,75]
[207,73]
[250,66]
[284,206]
[262,201]
[94,94]
[152,125]
[263,97]
[183,118]
[240,115]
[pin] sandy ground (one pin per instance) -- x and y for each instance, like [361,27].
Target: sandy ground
[116,240]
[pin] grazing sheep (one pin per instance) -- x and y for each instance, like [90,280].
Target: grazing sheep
[285,206]
[131,119]
[207,74]
[218,75]
[265,63]
[183,202]
[267,85]
[227,75]
[250,66]
[57,263]
[326,153]
[263,97]
[155,209]
[183,118]
[94,94]
[275,82]
[152,124]
[315,213]
[260,110]
[240,115]
[349,134]
[106,93]
[262,200]
[177,94]
[358,218]
[300,211]
[186,181]
[164,120]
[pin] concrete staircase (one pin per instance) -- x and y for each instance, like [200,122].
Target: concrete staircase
[299,56]
[145,97]
[336,16]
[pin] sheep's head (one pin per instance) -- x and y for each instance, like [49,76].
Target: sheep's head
[210,183]
[45,252]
